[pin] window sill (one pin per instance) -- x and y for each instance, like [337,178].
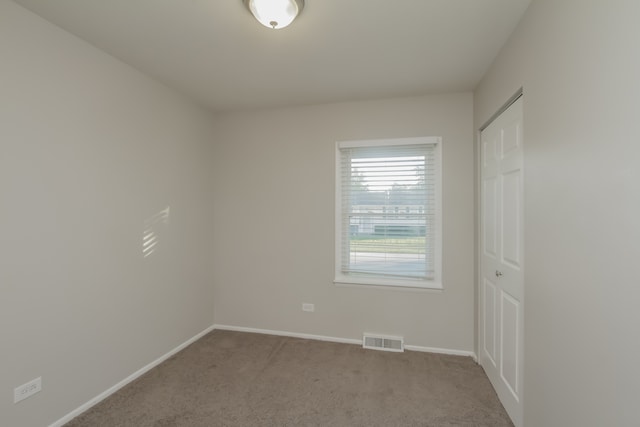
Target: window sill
[432,285]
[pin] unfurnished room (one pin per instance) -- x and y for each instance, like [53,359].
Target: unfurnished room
[319,213]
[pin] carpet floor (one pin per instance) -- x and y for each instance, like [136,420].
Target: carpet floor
[244,379]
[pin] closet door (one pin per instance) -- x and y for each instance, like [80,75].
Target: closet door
[502,247]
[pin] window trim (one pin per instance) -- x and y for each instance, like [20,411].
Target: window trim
[341,278]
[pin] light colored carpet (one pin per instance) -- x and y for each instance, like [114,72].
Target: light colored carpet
[242,379]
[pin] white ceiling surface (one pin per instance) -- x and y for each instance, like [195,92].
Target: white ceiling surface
[337,50]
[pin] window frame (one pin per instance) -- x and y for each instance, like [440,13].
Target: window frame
[430,283]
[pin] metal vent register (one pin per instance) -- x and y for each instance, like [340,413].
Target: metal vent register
[381,342]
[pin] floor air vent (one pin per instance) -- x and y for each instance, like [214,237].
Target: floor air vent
[381,342]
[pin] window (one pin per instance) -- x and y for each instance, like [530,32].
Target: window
[396,240]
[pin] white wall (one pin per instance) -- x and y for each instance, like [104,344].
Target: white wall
[274,221]
[579,65]
[90,148]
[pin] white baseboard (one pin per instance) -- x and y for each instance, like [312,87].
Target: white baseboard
[71,415]
[342,340]
[441,351]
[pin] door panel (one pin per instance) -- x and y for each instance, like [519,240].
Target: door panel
[489,151]
[510,143]
[502,258]
[509,343]
[490,321]
[511,218]
[491,216]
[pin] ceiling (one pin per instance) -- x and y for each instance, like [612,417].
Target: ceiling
[215,52]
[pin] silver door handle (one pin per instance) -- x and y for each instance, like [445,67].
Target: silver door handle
[498,273]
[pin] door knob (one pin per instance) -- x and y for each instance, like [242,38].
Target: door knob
[498,273]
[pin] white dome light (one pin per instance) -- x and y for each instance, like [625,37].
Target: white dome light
[275,14]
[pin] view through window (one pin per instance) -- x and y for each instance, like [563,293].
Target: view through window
[388,219]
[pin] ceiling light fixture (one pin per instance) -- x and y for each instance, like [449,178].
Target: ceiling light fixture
[275,14]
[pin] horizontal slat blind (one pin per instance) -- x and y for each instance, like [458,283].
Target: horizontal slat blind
[388,211]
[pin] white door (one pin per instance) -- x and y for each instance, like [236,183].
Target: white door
[502,246]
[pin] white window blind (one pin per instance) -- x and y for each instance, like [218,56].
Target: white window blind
[388,222]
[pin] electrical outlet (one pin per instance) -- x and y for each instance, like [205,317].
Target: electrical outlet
[27,390]
[308,307]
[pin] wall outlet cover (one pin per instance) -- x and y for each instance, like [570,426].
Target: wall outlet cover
[27,390]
